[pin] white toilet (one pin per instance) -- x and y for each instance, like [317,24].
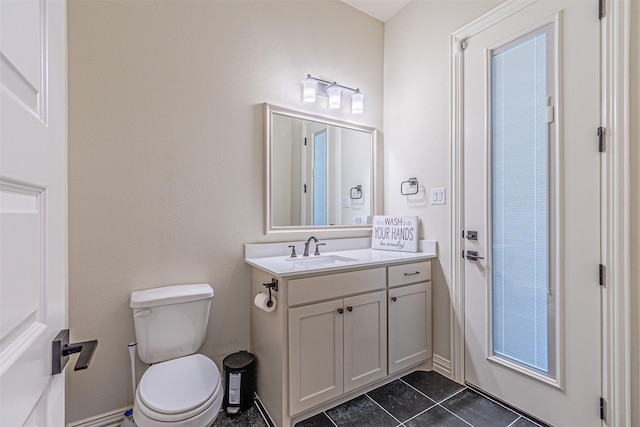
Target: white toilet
[181,388]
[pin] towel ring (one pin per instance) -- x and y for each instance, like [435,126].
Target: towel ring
[413,182]
[358,189]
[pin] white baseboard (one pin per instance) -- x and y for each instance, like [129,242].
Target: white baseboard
[442,365]
[108,419]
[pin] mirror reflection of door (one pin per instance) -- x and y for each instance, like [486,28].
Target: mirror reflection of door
[320,187]
[314,166]
[320,181]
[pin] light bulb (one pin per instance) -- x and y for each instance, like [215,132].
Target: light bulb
[309,89]
[334,92]
[357,102]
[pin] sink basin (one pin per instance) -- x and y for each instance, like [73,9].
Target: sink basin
[319,261]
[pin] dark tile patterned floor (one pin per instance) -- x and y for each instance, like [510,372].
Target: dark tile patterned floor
[415,400]
[252,417]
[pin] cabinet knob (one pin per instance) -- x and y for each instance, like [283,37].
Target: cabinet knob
[340,310]
[394,299]
[350,308]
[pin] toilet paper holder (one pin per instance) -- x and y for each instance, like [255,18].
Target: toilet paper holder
[271,285]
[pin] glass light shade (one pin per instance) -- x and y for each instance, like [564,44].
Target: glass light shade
[309,89]
[334,92]
[357,102]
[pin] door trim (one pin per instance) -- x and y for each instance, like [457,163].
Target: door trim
[616,213]
[615,163]
[497,14]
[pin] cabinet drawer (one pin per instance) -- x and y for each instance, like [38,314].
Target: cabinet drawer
[409,273]
[317,288]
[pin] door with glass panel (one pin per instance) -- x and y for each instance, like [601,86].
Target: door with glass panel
[320,177]
[532,211]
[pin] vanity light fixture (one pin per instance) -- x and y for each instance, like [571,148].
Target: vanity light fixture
[312,87]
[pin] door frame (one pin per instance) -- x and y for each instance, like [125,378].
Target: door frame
[615,205]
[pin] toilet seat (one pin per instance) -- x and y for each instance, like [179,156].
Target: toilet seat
[179,389]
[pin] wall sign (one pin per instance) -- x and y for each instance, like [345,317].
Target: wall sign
[395,233]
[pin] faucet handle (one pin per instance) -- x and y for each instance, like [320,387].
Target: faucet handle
[317,252]
[293,251]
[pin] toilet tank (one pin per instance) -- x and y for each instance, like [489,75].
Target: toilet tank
[170,321]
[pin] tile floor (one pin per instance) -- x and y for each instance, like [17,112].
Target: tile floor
[417,399]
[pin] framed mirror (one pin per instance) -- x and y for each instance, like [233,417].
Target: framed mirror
[320,173]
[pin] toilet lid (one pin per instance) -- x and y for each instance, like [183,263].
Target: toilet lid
[179,385]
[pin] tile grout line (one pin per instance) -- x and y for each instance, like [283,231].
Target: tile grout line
[455,415]
[420,413]
[430,398]
[514,421]
[456,393]
[488,397]
[381,407]
[330,419]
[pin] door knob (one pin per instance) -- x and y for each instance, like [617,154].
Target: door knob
[350,308]
[394,299]
[340,310]
[61,349]
[473,256]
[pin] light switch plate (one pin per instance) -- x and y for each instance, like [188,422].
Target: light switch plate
[438,196]
[345,202]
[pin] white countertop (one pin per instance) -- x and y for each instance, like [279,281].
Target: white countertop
[274,258]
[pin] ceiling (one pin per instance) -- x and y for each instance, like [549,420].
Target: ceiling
[382,10]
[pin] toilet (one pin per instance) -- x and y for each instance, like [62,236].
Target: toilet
[181,387]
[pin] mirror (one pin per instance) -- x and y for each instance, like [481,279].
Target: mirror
[320,172]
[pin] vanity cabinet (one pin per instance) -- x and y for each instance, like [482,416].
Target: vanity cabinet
[336,334]
[409,315]
[335,347]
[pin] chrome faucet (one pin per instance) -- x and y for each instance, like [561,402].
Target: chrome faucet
[306,245]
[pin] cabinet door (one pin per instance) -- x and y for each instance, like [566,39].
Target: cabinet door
[315,354]
[409,326]
[365,339]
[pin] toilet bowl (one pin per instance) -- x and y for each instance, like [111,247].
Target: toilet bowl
[181,387]
[186,391]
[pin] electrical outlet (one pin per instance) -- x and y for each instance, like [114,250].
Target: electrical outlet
[438,196]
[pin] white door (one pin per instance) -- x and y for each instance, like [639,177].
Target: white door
[33,208]
[532,197]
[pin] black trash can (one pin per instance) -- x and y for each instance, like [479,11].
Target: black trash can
[240,380]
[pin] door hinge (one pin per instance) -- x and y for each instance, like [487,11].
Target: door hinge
[601,274]
[601,9]
[603,408]
[305,187]
[601,142]
[305,141]
[461,45]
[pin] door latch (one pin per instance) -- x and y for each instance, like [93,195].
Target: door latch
[472,235]
[473,256]
[61,349]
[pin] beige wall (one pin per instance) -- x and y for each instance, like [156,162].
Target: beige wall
[635,210]
[416,123]
[166,154]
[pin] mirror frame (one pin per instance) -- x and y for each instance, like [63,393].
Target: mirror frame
[269,110]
